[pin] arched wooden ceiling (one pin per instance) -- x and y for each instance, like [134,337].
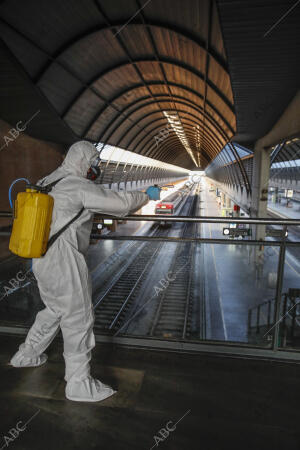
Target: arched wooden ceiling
[116,70]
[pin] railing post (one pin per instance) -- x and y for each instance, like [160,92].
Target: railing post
[293,318]
[257,319]
[280,273]
[249,319]
[285,306]
[269,312]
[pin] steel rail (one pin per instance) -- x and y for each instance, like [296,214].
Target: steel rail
[127,288]
[199,240]
[160,315]
[150,254]
[136,285]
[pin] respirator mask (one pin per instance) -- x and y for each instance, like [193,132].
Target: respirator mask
[94,171]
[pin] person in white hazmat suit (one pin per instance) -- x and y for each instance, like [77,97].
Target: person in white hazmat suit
[62,274]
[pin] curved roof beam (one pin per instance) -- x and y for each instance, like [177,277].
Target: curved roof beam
[210,136]
[169,154]
[187,122]
[190,134]
[212,121]
[158,153]
[99,29]
[163,60]
[184,119]
[185,102]
[50,56]
[185,88]
[209,149]
[159,126]
[178,149]
[171,143]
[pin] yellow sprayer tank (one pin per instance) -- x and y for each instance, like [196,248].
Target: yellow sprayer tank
[31,226]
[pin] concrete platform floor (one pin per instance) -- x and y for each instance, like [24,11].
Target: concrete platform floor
[217,402]
[281,208]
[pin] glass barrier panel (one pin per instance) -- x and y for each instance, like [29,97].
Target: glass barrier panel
[289,332]
[218,292]
[188,290]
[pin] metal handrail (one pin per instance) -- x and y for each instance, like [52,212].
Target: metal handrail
[200,219]
[197,239]
[258,308]
[282,244]
[209,219]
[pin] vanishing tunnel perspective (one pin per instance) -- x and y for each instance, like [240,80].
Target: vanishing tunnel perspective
[150,224]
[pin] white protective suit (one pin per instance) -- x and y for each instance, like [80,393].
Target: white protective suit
[63,277]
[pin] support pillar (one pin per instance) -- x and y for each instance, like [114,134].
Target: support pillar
[287,126]
[222,200]
[228,202]
[260,182]
[259,202]
[276,195]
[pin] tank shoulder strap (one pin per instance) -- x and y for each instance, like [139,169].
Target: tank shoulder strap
[48,187]
[59,232]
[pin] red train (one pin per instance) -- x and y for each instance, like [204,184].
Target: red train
[172,206]
[164,208]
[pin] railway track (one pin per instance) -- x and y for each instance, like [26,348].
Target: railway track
[112,306]
[175,307]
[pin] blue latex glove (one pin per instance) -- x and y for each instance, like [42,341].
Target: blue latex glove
[153,192]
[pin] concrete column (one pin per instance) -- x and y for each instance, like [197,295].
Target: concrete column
[260,182]
[276,194]
[287,126]
[228,201]
[222,200]
[259,201]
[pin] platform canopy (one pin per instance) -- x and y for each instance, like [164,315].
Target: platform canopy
[148,76]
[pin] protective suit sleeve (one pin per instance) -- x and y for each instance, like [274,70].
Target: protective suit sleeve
[99,200]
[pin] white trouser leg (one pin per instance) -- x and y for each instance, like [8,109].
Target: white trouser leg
[40,335]
[79,340]
[65,287]
[42,332]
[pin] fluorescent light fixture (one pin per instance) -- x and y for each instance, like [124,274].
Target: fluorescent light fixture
[176,124]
